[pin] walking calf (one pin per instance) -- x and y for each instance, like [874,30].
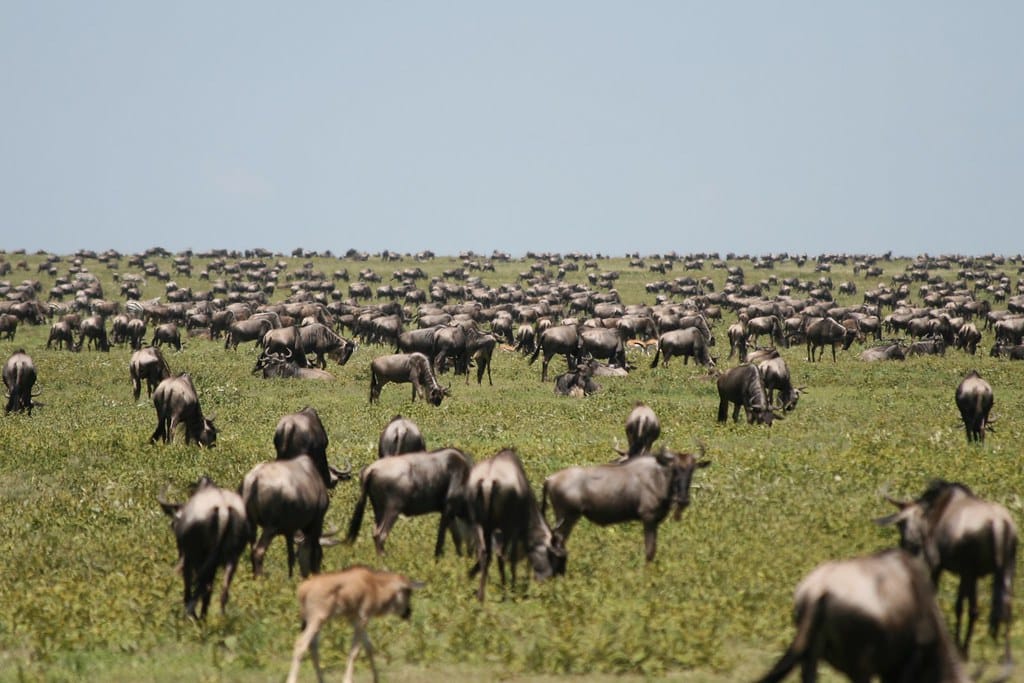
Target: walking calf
[356,594]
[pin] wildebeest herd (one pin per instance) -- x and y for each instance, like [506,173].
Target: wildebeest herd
[455,323]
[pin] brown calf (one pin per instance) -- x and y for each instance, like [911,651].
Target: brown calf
[357,594]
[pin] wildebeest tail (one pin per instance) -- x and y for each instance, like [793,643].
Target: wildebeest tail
[1005,551]
[357,514]
[657,354]
[537,350]
[217,553]
[809,621]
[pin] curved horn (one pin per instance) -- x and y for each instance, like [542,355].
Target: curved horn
[169,508]
[36,393]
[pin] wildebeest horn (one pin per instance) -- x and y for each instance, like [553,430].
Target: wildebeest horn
[344,474]
[36,393]
[287,354]
[168,507]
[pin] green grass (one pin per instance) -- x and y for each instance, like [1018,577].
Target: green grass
[88,586]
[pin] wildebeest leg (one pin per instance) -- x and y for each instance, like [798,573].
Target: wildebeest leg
[833,352]
[483,554]
[723,410]
[564,524]
[289,541]
[307,641]
[382,528]
[650,539]
[416,388]
[810,352]
[736,412]
[229,573]
[158,434]
[544,367]
[442,526]
[260,549]
[186,573]
[360,639]
[972,609]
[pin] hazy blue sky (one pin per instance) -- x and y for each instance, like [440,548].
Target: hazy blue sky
[549,126]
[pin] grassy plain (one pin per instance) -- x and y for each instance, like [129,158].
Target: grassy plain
[89,592]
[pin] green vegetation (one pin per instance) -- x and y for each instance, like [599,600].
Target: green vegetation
[88,586]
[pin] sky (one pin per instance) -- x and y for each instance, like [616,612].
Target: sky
[599,127]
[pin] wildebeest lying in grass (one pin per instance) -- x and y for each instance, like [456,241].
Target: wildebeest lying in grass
[357,594]
[956,531]
[870,616]
[279,365]
[211,530]
[643,488]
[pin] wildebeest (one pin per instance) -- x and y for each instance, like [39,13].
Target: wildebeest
[578,382]
[413,484]
[303,433]
[603,343]
[93,332]
[974,400]
[406,367]
[743,385]
[167,333]
[893,351]
[280,365]
[61,335]
[357,594]
[177,402]
[968,337]
[643,489]
[211,531]
[955,530]
[686,342]
[766,324]
[251,329]
[400,435]
[135,332]
[560,339]
[8,326]
[927,347]
[737,334]
[776,377]
[827,332]
[480,349]
[642,430]
[287,497]
[148,364]
[503,512]
[288,341]
[317,338]
[19,378]
[870,616]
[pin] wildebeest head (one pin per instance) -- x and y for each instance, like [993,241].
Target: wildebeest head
[683,466]
[436,394]
[205,432]
[342,353]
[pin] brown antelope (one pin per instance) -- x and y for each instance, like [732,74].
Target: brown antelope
[957,531]
[357,594]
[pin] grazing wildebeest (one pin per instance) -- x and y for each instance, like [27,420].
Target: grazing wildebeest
[406,367]
[642,430]
[450,341]
[93,332]
[737,334]
[19,378]
[413,484]
[211,531]
[280,365]
[251,329]
[503,512]
[870,616]
[321,340]
[357,594]
[892,351]
[303,433]
[419,340]
[287,497]
[827,332]
[177,402]
[147,363]
[562,339]
[955,530]
[8,326]
[1011,352]
[968,337]
[686,342]
[62,335]
[974,400]
[776,378]
[643,489]
[400,435]
[525,339]
[743,385]
[135,332]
